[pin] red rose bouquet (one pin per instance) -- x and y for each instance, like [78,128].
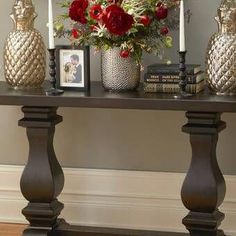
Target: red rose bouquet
[133,25]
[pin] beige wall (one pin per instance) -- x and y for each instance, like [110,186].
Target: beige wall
[140,140]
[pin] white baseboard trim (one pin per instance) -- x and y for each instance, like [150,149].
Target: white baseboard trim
[114,198]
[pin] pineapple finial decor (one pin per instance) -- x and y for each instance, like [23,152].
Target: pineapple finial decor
[24,52]
[221,53]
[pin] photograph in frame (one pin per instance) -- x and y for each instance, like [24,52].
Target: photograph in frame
[73,68]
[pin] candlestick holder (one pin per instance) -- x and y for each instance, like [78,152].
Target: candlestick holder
[182,77]
[53,91]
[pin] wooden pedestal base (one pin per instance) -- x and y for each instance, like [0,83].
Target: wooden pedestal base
[42,181]
[204,188]
[65,229]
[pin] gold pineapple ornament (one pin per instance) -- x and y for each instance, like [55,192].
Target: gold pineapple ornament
[24,52]
[221,53]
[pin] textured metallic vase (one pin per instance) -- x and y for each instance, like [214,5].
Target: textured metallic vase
[221,53]
[24,52]
[119,74]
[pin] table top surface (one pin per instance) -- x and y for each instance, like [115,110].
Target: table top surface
[98,98]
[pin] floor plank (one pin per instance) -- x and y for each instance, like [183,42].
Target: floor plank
[11,229]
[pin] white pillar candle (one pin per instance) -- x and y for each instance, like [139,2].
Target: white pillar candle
[50,26]
[181,28]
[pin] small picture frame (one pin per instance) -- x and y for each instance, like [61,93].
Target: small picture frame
[73,68]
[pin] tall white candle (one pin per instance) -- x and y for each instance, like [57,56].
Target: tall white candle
[50,26]
[181,28]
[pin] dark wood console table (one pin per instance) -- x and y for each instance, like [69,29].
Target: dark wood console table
[42,181]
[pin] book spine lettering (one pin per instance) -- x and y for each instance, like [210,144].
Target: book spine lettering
[172,88]
[154,78]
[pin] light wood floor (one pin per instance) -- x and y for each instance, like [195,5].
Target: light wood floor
[11,229]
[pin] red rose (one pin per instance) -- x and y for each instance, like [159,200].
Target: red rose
[96,11]
[161,12]
[75,33]
[80,4]
[164,31]
[124,53]
[77,10]
[113,8]
[116,20]
[145,20]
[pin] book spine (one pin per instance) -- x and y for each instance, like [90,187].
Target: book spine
[174,69]
[172,88]
[154,78]
[167,71]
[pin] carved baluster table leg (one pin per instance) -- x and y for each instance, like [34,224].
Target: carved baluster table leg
[203,190]
[42,180]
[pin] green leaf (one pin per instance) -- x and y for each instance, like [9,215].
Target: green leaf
[133,30]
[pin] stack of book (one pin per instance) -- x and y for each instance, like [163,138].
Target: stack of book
[163,78]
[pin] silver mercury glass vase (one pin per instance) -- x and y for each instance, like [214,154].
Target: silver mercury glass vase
[221,53]
[118,73]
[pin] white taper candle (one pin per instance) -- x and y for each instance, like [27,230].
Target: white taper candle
[181,28]
[50,26]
